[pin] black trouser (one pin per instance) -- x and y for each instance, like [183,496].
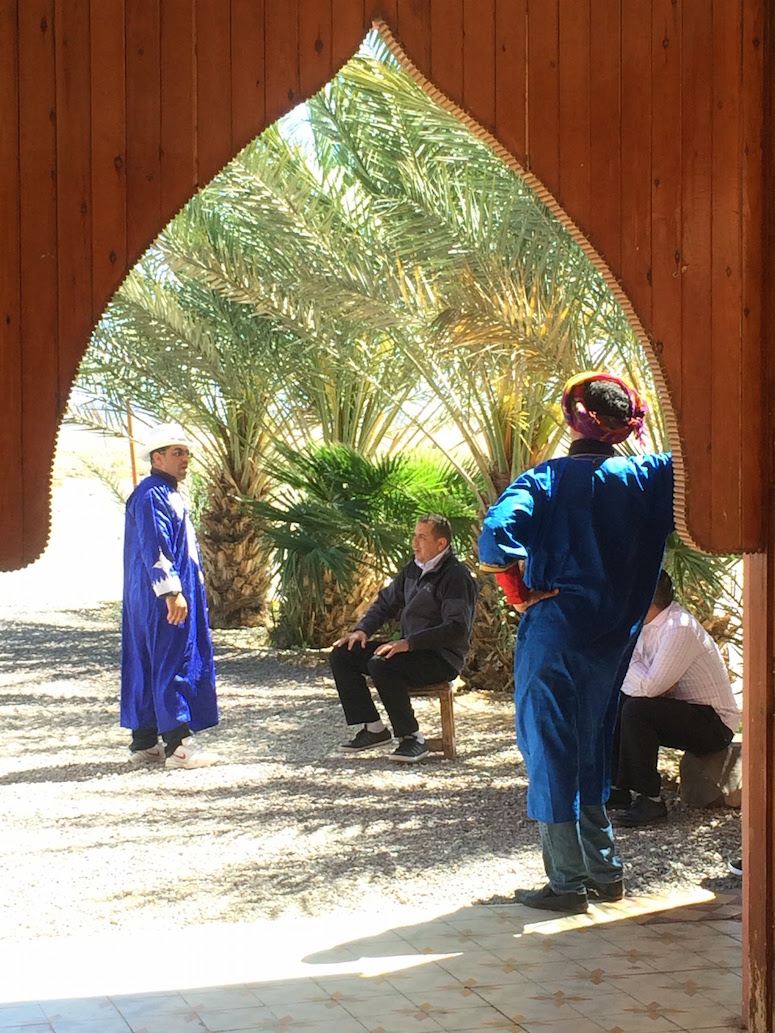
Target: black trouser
[392,678]
[645,723]
[146,738]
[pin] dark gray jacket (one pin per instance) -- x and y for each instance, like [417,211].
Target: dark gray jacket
[437,608]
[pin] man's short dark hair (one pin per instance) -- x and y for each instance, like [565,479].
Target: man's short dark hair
[663,595]
[609,400]
[439,525]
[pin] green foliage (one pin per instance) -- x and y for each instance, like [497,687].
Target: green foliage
[365,279]
[335,507]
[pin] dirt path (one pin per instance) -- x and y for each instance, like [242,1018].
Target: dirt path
[286,823]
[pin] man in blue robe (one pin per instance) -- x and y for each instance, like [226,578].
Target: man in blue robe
[167,666]
[591,529]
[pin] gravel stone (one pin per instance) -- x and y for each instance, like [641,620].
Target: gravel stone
[286,824]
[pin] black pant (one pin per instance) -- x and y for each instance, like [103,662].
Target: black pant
[392,678]
[645,723]
[146,738]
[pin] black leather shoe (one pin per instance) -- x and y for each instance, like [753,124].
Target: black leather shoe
[547,900]
[619,798]
[643,812]
[605,891]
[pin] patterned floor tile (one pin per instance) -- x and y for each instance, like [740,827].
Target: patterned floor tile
[217,1000]
[21,1014]
[446,1000]
[530,1003]
[189,1022]
[481,1019]
[256,1017]
[36,1027]
[82,1010]
[107,1024]
[347,988]
[137,1009]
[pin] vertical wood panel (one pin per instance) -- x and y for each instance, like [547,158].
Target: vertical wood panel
[38,224]
[727,259]
[543,87]
[759,767]
[447,65]
[605,128]
[10,300]
[387,10]
[108,150]
[283,91]
[478,61]
[635,173]
[752,208]
[666,193]
[510,76]
[248,43]
[213,94]
[414,31]
[575,187]
[177,106]
[74,216]
[349,25]
[143,125]
[315,57]
[696,205]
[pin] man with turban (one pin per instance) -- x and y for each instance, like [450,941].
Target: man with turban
[167,666]
[590,528]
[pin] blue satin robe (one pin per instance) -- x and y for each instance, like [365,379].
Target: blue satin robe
[167,672]
[595,528]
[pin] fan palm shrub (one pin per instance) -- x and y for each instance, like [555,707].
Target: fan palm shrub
[340,525]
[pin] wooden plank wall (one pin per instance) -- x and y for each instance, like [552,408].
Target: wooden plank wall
[644,120]
[641,118]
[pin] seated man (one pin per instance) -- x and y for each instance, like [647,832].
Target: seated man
[435,595]
[676,693]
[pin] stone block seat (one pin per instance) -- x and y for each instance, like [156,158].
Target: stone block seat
[714,778]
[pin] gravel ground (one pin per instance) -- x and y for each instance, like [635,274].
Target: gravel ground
[286,823]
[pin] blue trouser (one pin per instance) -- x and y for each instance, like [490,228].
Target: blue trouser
[577,851]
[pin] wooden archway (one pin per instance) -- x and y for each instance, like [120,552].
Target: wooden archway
[644,119]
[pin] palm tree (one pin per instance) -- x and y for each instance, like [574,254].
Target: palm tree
[339,524]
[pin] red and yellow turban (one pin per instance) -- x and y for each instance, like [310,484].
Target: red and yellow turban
[589,423]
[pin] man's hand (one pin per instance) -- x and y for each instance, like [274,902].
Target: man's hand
[535,595]
[177,608]
[388,649]
[349,640]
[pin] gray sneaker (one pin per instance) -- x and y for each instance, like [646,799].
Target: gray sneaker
[365,740]
[141,758]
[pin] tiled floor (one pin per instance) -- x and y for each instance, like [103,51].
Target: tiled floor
[642,966]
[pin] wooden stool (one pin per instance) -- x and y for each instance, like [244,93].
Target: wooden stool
[442,691]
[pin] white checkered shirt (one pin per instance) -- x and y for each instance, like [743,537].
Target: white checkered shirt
[674,654]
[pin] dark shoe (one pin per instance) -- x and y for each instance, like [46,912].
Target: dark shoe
[547,900]
[736,867]
[410,750]
[608,892]
[643,812]
[364,740]
[619,798]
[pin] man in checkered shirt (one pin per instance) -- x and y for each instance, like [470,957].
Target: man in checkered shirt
[676,693]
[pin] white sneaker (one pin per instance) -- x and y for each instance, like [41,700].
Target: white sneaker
[153,755]
[191,755]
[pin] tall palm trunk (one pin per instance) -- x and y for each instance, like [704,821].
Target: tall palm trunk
[237,571]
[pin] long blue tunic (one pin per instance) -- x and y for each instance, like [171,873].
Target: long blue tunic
[167,671]
[593,527]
